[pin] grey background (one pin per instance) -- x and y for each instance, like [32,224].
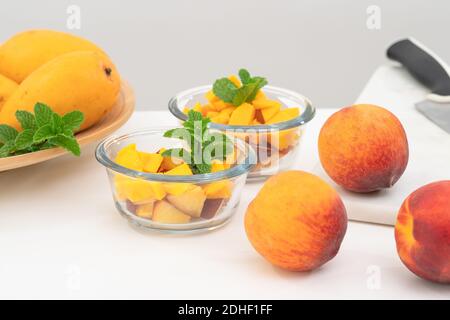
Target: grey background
[321,48]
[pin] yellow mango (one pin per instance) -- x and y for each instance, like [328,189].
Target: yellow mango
[7,87]
[219,105]
[218,190]
[168,163]
[211,97]
[260,95]
[139,191]
[269,113]
[284,139]
[227,111]
[221,118]
[177,188]
[151,161]
[264,103]
[198,107]
[285,115]
[181,170]
[129,158]
[242,115]
[212,114]
[186,110]
[82,80]
[217,166]
[235,80]
[27,51]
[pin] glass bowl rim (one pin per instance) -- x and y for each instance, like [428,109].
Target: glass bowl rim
[306,116]
[238,170]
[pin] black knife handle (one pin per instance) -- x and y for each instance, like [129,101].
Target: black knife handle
[422,65]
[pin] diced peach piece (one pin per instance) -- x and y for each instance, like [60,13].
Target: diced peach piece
[218,190]
[177,188]
[190,202]
[265,103]
[235,80]
[129,158]
[145,210]
[269,113]
[151,161]
[285,115]
[164,212]
[242,115]
[181,170]
[211,208]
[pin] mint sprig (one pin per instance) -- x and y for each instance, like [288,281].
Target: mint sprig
[228,92]
[203,146]
[42,130]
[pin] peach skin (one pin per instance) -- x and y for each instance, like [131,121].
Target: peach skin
[297,221]
[363,148]
[422,232]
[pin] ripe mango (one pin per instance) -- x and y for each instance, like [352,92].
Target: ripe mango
[84,80]
[26,51]
[7,87]
[242,115]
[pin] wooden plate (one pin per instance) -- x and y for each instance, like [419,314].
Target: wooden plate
[119,114]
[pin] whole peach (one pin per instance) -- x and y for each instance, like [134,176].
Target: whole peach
[297,221]
[363,148]
[422,232]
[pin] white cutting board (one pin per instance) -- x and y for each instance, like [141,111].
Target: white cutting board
[393,88]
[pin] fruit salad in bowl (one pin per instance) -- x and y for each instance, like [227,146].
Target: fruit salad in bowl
[178,180]
[268,118]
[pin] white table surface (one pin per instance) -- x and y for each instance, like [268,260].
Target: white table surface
[61,237]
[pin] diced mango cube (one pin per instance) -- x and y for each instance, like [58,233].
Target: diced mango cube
[186,110]
[242,115]
[285,115]
[218,190]
[221,118]
[168,163]
[211,97]
[151,161]
[269,113]
[190,202]
[212,114]
[219,105]
[164,212]
[260,95]
[227,111]
[129,158]
[137,190]
[217,166]
[181,170]
[265,103]
[198,107]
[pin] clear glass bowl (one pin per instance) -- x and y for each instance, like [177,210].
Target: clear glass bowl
[276,144]
[173,203]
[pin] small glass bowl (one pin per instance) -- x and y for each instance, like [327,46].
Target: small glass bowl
[276,144]
[173,203]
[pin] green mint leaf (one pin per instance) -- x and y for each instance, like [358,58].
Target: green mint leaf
[73,120]
[44,133]
[245,77]
[243,94]
[68,143]
[7,149]
[202,168]
[259,82]
[57,123]
[43,114]
[194,116]
[24,139]
[26,119]
[225,89]
[7,133]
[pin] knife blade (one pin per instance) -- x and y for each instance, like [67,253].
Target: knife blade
[430,70]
